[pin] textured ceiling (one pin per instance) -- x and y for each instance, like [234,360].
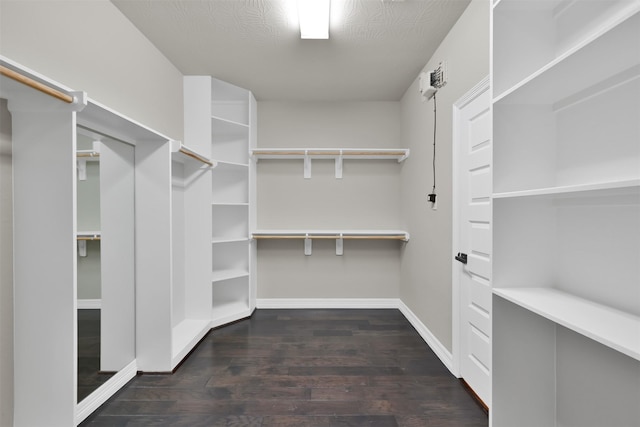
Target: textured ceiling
[375,49]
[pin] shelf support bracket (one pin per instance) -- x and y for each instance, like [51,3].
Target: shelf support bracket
[82,248]
[307,165]
[339,245]
[339,166]
[307,245]
[82,170]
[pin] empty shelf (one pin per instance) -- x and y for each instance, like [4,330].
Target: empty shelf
[611,327]
[623,186]
[330,153]
[220,275]
[332,234]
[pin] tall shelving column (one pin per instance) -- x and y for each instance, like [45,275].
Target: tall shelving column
[566,326]
[225,115]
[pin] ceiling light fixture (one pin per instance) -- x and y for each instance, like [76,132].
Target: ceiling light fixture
[313,16]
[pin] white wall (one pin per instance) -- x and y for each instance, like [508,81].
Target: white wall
[426,264]
[91,46]
[6,269]
[367,197]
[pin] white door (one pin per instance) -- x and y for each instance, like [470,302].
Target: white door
[472,239]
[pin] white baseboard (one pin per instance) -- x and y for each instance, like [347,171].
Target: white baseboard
[292,303]
[440,350]
[105,391]
[89,304]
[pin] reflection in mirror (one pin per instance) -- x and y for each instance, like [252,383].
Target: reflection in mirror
[105,261]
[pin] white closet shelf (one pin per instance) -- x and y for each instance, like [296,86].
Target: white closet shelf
[338,235]
[219,240]
[616,329]
[330,153]
[229,122]
[224,166]
[557,80]
[332,234]
[230,204]
[337,154]
[182,153]
[629,186]
[221,275]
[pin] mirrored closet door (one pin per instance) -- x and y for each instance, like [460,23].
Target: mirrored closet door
[105,260]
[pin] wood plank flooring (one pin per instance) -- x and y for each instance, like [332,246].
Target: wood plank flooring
[286,368]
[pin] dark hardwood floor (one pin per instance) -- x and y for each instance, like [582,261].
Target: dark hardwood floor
[285,368]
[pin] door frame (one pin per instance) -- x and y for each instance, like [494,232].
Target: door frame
[456,311]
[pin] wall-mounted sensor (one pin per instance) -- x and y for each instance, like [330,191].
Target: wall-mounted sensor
[430,81]
[424,85]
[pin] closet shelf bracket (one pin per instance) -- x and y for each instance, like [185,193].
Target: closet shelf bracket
[307,165]
[83,156]
[82,239]
[307,245]
[339,167]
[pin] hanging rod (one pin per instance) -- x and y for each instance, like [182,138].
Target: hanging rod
[88,238]
[87,154]
[195,156]
[35,85]
[178,147]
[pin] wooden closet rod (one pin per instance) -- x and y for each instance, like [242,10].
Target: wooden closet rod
[195,156]
[88,238]
[92,154]
[35,85]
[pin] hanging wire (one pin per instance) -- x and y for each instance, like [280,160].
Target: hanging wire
[434,142]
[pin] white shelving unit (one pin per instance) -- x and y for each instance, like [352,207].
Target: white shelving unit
[224,115]
[566,338]
[338,154]
[190,290]
[338,235]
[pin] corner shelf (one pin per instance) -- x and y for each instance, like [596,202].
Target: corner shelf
[614,328]
[224,115]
